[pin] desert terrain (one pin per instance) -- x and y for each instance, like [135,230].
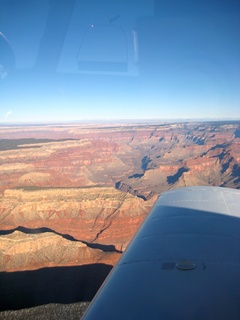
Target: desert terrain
[72,196]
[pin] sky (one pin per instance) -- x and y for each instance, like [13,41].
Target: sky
[119,59]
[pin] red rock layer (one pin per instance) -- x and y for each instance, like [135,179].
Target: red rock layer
[99,187]
[20,251]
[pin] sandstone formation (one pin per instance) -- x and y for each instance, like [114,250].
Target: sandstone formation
[96,184]
[93,214]
[21,251]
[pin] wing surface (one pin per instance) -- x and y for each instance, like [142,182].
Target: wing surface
[183,263]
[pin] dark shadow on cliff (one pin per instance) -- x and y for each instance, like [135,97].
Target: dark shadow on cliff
[145,162]
[136,176]
[103,247]
[175,177]
[119,185]
[27,289]
[217,146]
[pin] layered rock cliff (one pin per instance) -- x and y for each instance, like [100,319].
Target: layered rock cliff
[95,185]
[93,214]
[23,251]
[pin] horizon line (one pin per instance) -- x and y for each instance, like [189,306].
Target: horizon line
[116,121]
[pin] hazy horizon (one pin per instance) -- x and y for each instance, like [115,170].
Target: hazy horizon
[118,121]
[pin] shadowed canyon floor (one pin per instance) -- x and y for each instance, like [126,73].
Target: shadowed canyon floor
[74,195]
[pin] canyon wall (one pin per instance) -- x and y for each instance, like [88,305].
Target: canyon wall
[76,194]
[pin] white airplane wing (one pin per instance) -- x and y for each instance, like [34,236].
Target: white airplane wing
[183,263]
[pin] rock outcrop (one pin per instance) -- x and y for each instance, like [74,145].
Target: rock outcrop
[92,214]
[20,251]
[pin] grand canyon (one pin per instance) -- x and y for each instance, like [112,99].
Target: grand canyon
[73,195]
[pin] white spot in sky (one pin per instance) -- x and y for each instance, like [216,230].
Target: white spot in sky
[7,114]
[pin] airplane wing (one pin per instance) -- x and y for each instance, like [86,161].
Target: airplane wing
[183,263]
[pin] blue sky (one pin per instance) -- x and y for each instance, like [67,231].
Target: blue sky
[182,60]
